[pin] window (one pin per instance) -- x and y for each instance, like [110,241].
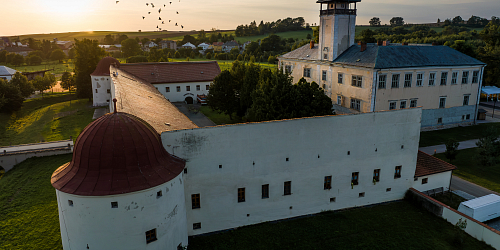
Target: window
[420,79]
[151,236]
[114,204]
[465,77]
[357,81]
[198,88]
[467,117]
[381,81]
[159,194]
[376,175]
[241,194]
[108,91]
[392,105]
[454,77]
[442,102]
[397,172]
[395,81]
[341,78]
[339,100]
[332,199]
[440,120]
[361,195]
[287,188]
[424,180]
[432,79]
[178,88]
[413,103]
[466,100]
[265,191]
[356,104]
[388,190]
[207,87]
[196,225]
[70,203]
[323,75]
[402,104]
[324,87]
[307,72]
[188,88]
[354,178]
[408,79]
[475,76]
[167,89]
[328,183]
[444,78]
[195,201]
[325,56]
[95,90]
[288,68]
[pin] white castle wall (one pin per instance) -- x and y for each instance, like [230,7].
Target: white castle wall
[222,159]
[91,220]
[100,87]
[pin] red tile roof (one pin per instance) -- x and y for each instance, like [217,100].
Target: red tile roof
[173,72]
[116,154]
[102,68]
[428,164]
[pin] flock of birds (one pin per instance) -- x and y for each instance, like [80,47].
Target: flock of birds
[159,12]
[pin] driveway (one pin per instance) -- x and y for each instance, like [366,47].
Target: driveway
[469,187]
[197,117]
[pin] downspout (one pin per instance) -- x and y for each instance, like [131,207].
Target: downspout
[374,92]
[480,85]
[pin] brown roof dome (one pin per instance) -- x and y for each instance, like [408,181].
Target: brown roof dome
[102,68]
[116,154]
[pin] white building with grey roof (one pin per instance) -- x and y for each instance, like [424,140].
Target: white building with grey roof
[386,76]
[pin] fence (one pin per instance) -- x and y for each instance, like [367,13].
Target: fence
[474,228]
[12,155]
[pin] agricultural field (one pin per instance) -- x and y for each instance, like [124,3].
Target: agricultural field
[54,66]
[56,116]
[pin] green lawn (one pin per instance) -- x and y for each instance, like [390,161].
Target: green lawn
[469,168]
[28,205]
[450,199]
[396,225]
[52,118]
[302,34]
[437,137]
[217,118]
[224,64]
[55,67]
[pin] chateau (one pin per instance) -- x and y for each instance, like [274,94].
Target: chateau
[146,177]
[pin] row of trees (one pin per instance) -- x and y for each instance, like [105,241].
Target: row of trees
[288,24]
[257,94]
[33,58]
[473,21]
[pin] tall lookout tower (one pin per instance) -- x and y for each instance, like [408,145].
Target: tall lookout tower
[337,27]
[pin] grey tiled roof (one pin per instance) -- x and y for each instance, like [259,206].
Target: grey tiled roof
[304,53]
[6,71]
[386,57]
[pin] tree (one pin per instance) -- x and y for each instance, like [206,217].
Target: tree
[57,55]
[145,41]
[451,149]
[239,58]
[43,83]
[368,36]
[488,147]
[177,54]
[169,55]
[271,43]
[3,56]
[309,37]
[192,54]
[109,39]
[457,20]
[271,60]
[397,21]
[375,22]
[71,53]
[121,38]
[223,97]
[464,47]
[10,97]
[208,55]
[68,81]
[87,56]
[130,47]
[21,82]
[34,60]
[17,60]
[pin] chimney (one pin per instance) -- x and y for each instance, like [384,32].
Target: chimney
[379,43]
[405,44]
[311,44]
[363,46]
[386,43]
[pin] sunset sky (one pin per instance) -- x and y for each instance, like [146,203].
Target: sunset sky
[52,16]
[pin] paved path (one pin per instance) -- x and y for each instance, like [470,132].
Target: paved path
[100,112]
[442,148]
[469,187]
[198,118]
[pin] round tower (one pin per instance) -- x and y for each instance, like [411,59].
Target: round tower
[337,27]
[101,82]
[121,190]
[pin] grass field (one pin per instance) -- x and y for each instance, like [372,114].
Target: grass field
[469,168]
[437,137]
[302,34]
[51,118]
[55,67]
[29,217]
[29,220]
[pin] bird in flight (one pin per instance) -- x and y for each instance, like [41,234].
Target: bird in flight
[147,4]
[177,12]
[149,12]
[152,5]
[117,1]
[159,18]
[162,22]
[143,17]
[181,25]
[169,21]
[159,10]
[164,5]
[176,24]
[170,2]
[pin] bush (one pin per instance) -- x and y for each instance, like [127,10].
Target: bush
[271,60]
[208,56]
[34,60]
[177,54]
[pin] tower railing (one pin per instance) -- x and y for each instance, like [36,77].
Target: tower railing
[338,11]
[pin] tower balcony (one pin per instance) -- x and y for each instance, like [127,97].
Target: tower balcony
[338,12]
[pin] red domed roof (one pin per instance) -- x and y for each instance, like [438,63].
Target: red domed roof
[116,154]
[102,68]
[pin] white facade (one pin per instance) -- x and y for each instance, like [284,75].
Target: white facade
[188,45]
[203,46]
[219,160]
[7,73]
[90,221]
[101,90]
[337,32]
[182,92]
[429,182]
